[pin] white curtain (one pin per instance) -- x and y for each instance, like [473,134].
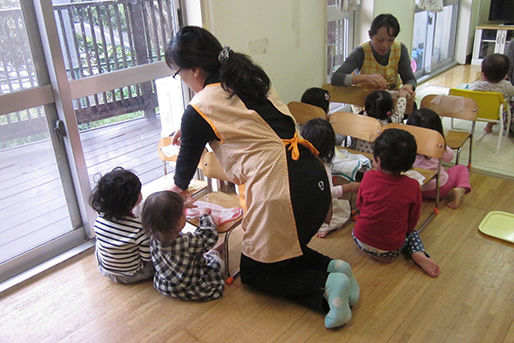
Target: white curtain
[430,5]
[348,5]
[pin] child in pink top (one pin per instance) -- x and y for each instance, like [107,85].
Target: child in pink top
[454,182]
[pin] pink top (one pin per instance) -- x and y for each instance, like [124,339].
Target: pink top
[425,162]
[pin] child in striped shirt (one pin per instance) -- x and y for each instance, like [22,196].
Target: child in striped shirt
[122,246]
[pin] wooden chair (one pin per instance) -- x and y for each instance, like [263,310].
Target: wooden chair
[490,108]
[429,143]
[212,170]
[166,152]
[453,106]
[303,112]
[353,95]
[356,95]
[355,125]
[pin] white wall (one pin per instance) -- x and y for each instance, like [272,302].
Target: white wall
[285,37]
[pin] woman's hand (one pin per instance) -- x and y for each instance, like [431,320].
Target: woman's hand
[371,80]
[175,139]
[409,89]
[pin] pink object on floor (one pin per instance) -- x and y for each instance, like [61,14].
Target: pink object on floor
[219,214]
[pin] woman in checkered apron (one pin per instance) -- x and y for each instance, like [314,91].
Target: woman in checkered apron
[380,63]
[237,112]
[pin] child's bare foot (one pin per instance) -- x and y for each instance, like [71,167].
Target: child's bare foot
[455,197]
[426,263]
[489,127]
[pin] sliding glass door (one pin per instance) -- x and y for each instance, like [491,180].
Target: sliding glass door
[78,97]
[433,39]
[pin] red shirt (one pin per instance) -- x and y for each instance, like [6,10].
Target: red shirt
[389,208]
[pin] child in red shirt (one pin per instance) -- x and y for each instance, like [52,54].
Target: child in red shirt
[389,203]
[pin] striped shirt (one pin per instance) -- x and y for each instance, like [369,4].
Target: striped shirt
[121,244]
[184,269]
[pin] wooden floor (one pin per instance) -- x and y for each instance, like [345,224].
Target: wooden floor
[471,301]
[32,205]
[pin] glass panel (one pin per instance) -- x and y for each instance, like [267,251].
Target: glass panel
[443,47]
[16,67]
[337,44]
[33,207]
[419,38]
[102,36]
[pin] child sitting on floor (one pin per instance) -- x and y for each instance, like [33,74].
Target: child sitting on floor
[390,202]
[495,69]
[122,247]
[321,98]
[185,265]
[321,134]
[380,105]
[454,182]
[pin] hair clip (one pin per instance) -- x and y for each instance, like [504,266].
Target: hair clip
[224,54]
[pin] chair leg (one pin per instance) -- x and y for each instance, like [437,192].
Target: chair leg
[500,134]
[458,155]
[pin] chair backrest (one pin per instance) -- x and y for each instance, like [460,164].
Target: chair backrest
[429,142]
[166,150]
[490,104]
[355,125]
[211,167]
[452,106]
[303,112]
[349,95]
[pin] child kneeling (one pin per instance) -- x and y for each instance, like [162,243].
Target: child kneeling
[186,267]
[390,203]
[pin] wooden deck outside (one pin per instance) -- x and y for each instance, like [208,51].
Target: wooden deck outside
[32,206]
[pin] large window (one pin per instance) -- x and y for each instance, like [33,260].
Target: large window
[78,97]
[339,36]
[433,39]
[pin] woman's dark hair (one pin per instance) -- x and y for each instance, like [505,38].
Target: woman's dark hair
[378,104]
[116,193]
[426,118]
[495,67]
[396,149]
[385,20]
[321,134]
[161,214]
[195,47]
[317,97]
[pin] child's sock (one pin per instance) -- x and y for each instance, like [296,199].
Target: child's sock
[341,266]
[337,289]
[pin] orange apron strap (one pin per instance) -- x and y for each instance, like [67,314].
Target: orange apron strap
[293,146]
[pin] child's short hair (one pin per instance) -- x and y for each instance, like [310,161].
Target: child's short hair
[317,97]
[379,104]
[321,134]
[495,67]
[162,212]
[426,118]
[116,193]
[396,149]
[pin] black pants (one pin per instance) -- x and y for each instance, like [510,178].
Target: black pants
[301,279]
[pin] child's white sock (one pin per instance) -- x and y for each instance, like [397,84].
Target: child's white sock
[337,288]
[341,266]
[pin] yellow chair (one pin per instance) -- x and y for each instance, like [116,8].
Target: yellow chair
[453,106]
[490,108]
[429,143]
[303,112]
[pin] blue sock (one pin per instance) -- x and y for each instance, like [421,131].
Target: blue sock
[337,288]
[341,266]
